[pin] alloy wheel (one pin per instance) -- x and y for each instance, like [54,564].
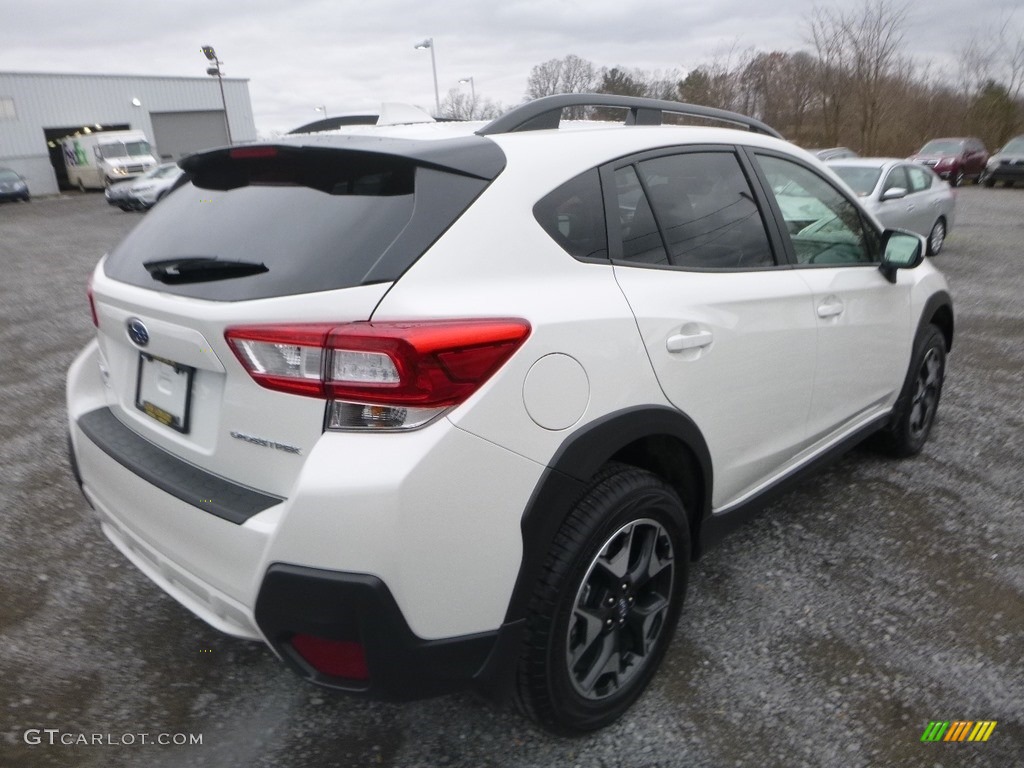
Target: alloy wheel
[620,609]
[926,394]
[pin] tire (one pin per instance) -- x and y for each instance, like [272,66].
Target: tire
[986,181]
[81,184]
[918,403]
[937,237]
[957,178]
[603,613]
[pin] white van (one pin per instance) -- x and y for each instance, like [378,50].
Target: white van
[97,160]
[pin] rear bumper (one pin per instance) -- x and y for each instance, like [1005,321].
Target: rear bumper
[410,546]
[360,609]
[210,573]
[1004,173]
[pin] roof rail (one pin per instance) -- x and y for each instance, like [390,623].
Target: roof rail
[546,113]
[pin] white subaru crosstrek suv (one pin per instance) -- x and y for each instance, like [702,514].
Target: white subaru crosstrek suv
[437,405]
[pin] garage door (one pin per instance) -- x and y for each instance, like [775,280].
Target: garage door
[177,134]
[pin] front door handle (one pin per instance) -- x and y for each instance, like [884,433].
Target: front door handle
[680,342]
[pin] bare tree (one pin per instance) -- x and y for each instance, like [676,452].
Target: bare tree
[458,105]
[797,86]
[831,70]
[873,40]
[991,81]
[569,75]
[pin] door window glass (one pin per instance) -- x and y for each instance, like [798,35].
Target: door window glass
[920,178]
[897,179]
[693,210]
[641,240]
[825,227]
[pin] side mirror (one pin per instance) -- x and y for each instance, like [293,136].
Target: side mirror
[894,193]
[900,250]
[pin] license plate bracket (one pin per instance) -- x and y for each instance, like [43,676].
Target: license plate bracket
[163,391]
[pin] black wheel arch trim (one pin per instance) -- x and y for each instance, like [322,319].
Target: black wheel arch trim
[579,458]
[938,311]
[560,487]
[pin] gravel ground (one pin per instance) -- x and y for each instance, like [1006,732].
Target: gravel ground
[876,597]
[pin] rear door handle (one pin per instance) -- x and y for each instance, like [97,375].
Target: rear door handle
[681,342]
[830,307]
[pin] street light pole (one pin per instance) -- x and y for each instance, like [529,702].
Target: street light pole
[429,43]
[472,91]
[214,70]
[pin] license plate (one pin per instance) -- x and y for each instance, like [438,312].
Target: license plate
[164,391]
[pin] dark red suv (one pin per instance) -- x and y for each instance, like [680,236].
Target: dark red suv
[955,159]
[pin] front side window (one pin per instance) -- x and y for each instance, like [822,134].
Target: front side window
[920,178]
[693,211]
[897,179]
[824,226]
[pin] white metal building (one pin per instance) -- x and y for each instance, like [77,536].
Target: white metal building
[179,115]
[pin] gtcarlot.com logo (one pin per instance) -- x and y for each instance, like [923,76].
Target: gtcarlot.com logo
[55,737]
[958,730]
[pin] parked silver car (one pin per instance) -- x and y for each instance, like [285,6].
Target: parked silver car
[902,195]
[151,188]
[119,194]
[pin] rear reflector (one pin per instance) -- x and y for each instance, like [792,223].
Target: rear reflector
[427,364]
[337,658]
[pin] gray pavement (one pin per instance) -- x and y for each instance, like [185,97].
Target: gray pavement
[874,598]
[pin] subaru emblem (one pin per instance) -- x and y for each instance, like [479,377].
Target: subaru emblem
[137,331]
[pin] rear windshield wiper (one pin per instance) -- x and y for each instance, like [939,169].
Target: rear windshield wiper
[200,269]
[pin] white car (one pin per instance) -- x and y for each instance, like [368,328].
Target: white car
[151,188]
[439,405]
[902,195]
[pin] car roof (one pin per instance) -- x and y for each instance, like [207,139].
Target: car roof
[870,162]
[533,134]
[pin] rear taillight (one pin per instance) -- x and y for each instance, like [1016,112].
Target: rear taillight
[388,375]
[92,302]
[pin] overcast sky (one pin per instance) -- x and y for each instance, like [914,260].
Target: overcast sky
[347,55]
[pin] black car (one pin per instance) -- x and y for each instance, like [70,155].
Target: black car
[13,186]
[1006,165]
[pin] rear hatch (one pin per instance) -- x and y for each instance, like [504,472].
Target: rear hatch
[283,236]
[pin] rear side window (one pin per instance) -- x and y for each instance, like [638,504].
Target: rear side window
[694,210]
[573,216]
[313,220]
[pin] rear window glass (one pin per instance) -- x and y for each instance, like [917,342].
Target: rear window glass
[861,180]
[315,220]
